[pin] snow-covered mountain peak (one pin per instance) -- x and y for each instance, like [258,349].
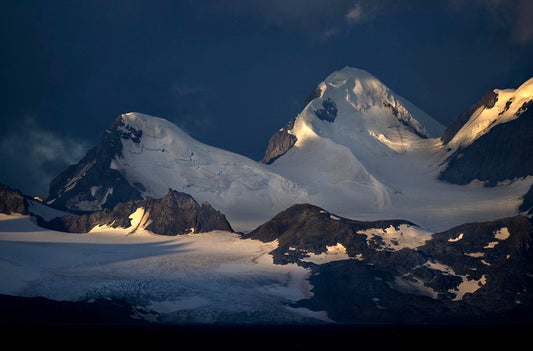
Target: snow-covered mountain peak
[350,74]
[359,88]
[506,105]
[142,156]
[154,128]
[357,95]
[351,107]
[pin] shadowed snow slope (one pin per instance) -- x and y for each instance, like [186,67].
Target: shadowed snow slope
[308,266]
[200,278]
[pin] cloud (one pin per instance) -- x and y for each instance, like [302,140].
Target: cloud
[316,17]
[366,11]
[321,19]
[36,155]
[354,15]
[329,33]
[324,19]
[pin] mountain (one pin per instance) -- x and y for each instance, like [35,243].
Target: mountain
[351,126]
[93,184]
[141,156]
[395,272]
[305,230]
[176,213]
[491,141]
[356,148]
[364,152]
[352,105]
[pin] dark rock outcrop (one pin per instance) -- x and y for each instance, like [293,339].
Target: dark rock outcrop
[505,152]
[12,201]
[281,142]
[174,214]
[488,100]
[93,184]
[328,112]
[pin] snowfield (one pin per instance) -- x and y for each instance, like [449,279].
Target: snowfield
[204,278]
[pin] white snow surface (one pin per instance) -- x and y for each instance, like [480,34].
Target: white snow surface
[467,285]
[371,163]
[167,157]
[333,253]
[394,239]
[212,276]
[508,103]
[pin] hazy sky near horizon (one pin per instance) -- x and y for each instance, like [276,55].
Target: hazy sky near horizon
[232,72]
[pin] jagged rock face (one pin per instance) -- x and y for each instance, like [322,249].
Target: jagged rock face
[176,213]
[12,201]
[179,213]
[93,184]
[281,142]
[505,152]
[474,272]
[487,101]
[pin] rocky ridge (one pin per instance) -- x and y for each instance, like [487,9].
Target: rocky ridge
[174,214]
[475,271]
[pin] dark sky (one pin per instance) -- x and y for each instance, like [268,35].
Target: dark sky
[233,72]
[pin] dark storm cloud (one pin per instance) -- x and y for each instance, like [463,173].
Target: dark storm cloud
[32,156]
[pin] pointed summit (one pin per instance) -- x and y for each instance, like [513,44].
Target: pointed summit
[491,141]
[142,156]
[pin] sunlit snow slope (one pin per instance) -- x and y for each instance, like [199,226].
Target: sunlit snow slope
[366,153]
[507,107]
